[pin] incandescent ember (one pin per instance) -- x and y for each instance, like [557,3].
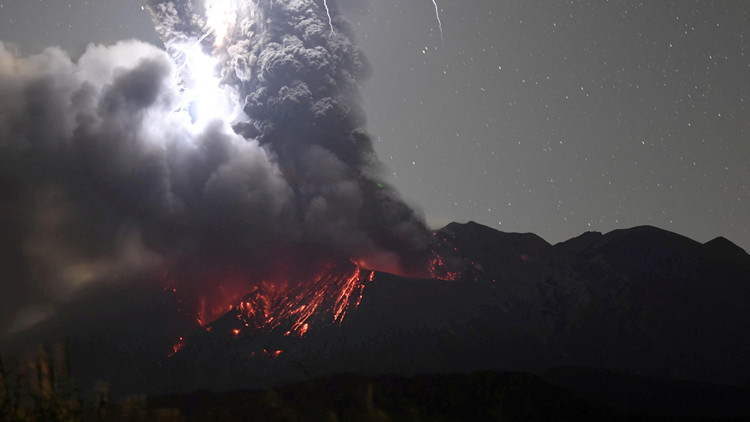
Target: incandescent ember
[287,290]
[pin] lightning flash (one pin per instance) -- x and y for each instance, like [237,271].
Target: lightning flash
[328,13]
[437,15]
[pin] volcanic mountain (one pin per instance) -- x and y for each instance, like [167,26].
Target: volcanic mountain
[641,301]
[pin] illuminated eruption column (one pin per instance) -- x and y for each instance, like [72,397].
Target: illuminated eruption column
[297,83]
[284,74]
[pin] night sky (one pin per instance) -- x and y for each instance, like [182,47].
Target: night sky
[547,117]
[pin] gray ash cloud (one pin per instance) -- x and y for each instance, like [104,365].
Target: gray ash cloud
[103,175]
[297,81]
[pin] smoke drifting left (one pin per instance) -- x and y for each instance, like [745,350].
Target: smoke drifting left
[245,137]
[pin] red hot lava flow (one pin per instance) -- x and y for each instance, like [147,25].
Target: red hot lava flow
[446,262]
[288,290]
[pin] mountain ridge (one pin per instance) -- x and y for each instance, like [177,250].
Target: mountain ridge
[644,301]
[641,301]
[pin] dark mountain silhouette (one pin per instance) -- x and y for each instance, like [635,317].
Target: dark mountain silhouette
[640,321]
[640,301]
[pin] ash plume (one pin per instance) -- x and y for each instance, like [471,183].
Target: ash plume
[297,82]
[125,161]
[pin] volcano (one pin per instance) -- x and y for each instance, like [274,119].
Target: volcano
[281,288]
[642,301]
[213,216]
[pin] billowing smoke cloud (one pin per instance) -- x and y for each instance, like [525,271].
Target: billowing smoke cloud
[297,80]
[247,133]
[101,177]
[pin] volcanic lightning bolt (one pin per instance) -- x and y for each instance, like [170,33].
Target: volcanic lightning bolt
[328,13]
[437,15]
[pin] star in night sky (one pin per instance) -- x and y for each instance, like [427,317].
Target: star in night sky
[552,118]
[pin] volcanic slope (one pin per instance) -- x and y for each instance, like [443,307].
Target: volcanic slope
[643,301]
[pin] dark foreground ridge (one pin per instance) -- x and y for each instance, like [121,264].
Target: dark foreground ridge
[476,396]
[558,394]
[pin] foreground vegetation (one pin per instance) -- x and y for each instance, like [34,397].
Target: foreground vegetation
[40,389]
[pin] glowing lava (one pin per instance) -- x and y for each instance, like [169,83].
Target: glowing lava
[445,261]
[332,292]
[178,344]
[289,292]
[440,269]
